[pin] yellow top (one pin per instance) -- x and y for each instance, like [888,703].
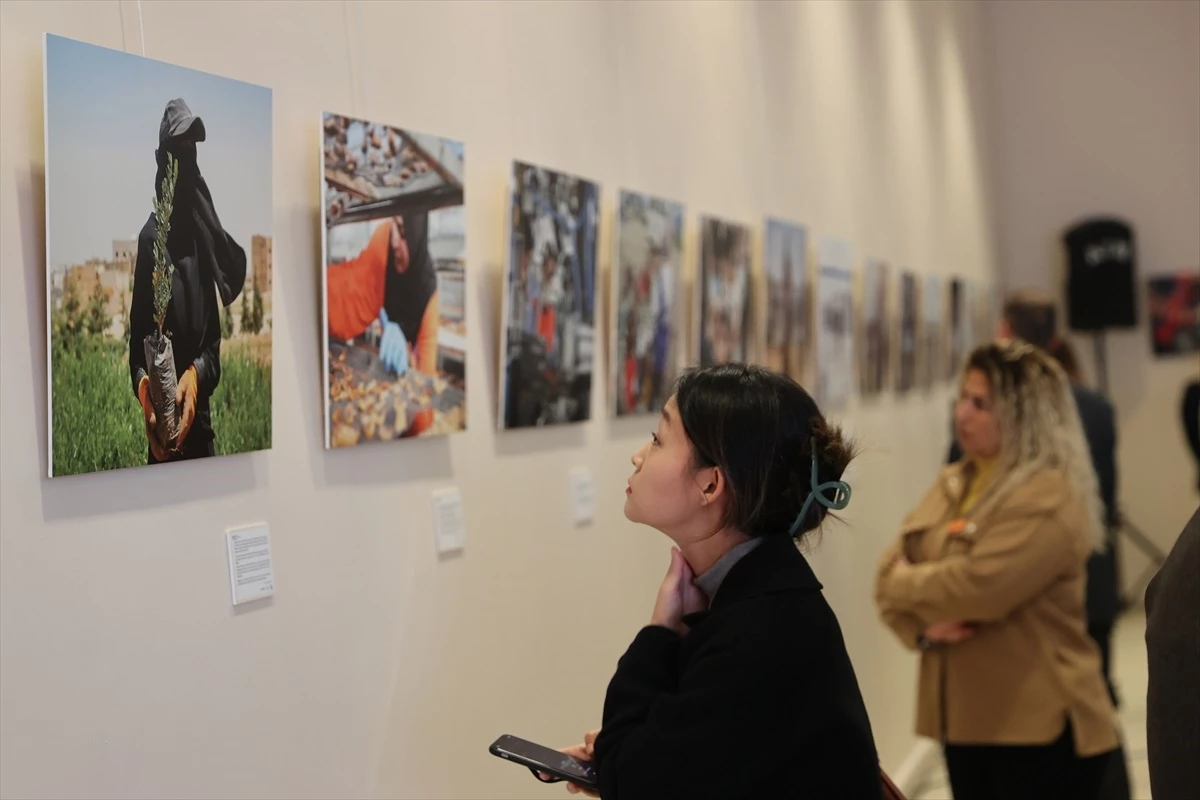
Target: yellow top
[984,470]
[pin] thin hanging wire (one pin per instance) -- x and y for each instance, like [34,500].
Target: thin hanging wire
[516,147]
[354,106]
[606,324]
[627,146]
[141,28]
[121,13]
[362,52]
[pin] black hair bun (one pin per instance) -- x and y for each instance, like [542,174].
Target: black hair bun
[834,450]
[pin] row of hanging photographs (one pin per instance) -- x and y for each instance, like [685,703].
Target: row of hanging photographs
[160,311]
[548,354]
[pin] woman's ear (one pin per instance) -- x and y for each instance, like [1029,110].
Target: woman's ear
[712,485]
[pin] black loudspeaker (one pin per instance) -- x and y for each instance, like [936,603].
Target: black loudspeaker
[1100,275]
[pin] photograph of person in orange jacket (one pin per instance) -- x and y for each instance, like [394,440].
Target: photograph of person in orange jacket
[390,288]
[394,243]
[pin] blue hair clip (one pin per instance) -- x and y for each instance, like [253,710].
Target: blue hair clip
[841,495]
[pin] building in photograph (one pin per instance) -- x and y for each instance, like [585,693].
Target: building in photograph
[260,264]
[125,250]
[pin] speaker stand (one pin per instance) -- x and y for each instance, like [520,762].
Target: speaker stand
[1149,548]
[1124,527]
[1100,352]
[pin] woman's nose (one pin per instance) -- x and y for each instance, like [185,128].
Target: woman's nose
[636,458]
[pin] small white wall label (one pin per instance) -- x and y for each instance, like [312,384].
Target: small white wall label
[251,576]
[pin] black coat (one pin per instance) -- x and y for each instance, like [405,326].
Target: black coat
[1173,659]
[759,700]
[1100,430]
[1191,420]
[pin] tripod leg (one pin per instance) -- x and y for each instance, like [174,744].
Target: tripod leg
[1130,598]
[1143,542]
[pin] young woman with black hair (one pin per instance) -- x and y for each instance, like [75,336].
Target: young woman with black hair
[740,686]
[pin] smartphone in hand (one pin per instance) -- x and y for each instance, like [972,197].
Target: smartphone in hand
[538,758]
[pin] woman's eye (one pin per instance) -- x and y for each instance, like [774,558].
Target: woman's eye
[654,438]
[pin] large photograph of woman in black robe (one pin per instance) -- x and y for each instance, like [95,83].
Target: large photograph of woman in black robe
[159,261]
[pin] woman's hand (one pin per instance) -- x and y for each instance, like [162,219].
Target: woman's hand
[151,419]
[949,632]
[583,752]
[186,394]
[678,596]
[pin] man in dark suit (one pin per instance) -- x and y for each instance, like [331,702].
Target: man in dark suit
[1173,648]
[1191,421]
[1100,430]
[1173,659]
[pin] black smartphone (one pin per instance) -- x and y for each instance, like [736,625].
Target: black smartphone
[542,759]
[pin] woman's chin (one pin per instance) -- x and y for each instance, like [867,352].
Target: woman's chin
[630,511]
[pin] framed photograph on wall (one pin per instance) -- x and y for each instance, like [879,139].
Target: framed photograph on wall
[394,245]
[875,327]
[159,300]
[982,328]
[724,292]
[958,330]
[647,307]
[789,298]
[908,334]
[1174,302]
[835,324]
[547,347]
[933,333]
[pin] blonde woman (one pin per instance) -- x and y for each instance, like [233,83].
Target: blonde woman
[987,582]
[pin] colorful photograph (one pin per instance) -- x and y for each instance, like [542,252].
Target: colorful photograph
[548,347]
[159,269]
[835,324]
[788,298]
[933,333]
[907,341]
[724,292]
[646,314]
[875,326]
[394,282]
[1174,313]
[959,341]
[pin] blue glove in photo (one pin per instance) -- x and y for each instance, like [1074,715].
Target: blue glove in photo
[393,347]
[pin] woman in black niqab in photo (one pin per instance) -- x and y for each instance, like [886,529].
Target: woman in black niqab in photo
[204,256]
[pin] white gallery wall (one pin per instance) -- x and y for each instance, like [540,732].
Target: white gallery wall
[1097,111]
[378,669]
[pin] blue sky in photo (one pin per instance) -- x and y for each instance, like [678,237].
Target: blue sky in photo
[103,108]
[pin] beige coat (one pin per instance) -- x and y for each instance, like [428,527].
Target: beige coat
[1014,565]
